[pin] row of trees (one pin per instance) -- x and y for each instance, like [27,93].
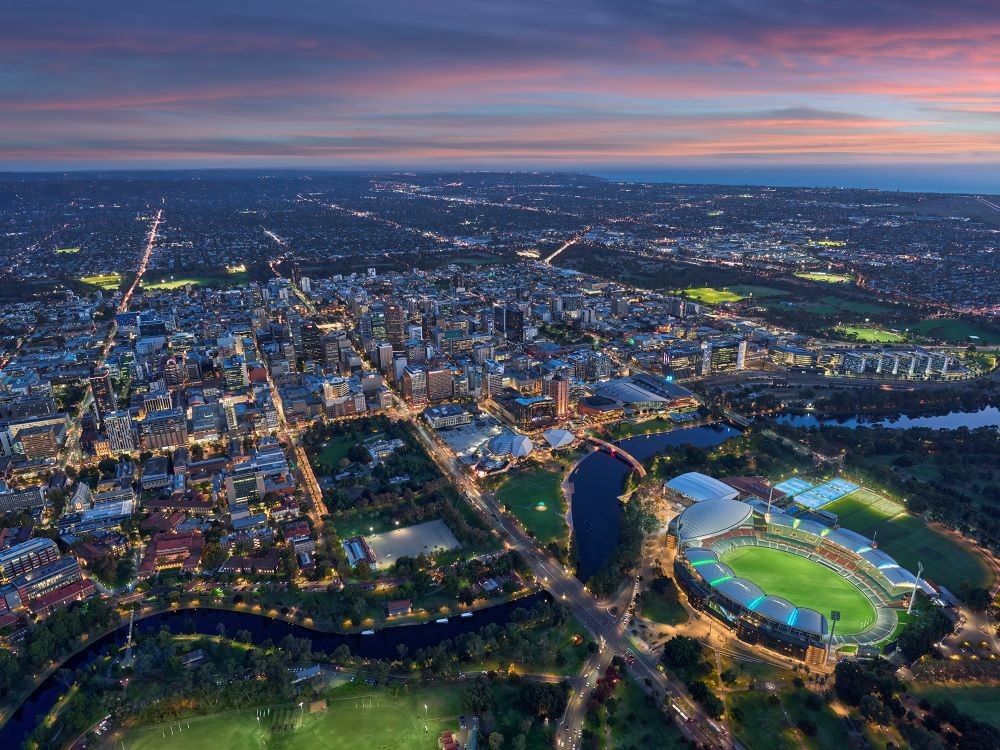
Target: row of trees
[50,640]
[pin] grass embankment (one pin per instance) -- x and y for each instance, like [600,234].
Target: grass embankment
[622,430]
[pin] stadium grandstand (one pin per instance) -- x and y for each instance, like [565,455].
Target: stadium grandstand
[718,530]
[701,487]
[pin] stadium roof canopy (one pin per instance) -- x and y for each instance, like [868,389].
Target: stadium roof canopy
[701,487]
[711,517]
[625,391]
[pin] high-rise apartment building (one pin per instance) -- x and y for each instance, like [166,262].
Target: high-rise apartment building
[120,431]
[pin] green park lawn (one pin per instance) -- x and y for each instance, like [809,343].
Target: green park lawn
[829,305]
[982,702]
[955,331]
[662,608]
[804,583]
[358,716]
[762,725]
[327,459]
[748,290]
[621,430]
[909,540]
[829,278]
[536,500]
[870,335]
[105,281]
[713,296]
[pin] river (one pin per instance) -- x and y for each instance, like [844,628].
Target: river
[988,416]
[381,645]
[599,478]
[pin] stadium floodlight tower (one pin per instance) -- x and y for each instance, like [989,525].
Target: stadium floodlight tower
[834,618]
[916,583]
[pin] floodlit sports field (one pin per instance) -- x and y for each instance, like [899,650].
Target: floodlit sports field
[357,717]
[804,583]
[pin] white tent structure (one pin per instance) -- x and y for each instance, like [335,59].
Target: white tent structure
[521,446]
[558,438]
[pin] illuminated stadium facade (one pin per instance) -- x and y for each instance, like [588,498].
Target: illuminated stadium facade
[710,530]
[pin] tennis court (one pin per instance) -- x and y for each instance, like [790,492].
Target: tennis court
[826,493]
[794,486]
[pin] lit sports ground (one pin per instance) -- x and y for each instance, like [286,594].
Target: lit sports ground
[776,574]
[357,716]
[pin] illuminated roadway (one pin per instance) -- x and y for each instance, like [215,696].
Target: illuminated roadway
[605,628]
[568,243]
[73,436]
[565,587]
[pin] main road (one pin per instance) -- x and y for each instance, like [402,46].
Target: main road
[605,628]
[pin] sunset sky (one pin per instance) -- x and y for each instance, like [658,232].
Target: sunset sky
[508,83]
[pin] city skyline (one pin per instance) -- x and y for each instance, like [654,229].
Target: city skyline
[604,87]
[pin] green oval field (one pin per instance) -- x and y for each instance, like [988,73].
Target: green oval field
[804,583]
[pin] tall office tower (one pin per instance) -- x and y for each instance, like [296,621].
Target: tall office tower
[297,275]
[173,370]
[440,384]
[415,385]
[395,328]
[105,399]
[383,356]
[121,432]
[377,320]
[332,344]
[235,373]
[312,342]
[499,320]
[514,325]
[557,388]
[556,307]
[620,307]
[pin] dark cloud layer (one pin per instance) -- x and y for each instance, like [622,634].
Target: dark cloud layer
[478,83]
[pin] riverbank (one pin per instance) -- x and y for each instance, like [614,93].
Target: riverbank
[380,644]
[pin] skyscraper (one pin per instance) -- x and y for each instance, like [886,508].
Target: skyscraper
[514,325]
[557,388]
[395,330]
[105,399]
[312,342]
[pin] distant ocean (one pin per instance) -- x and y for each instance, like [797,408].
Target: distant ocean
[980,179]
